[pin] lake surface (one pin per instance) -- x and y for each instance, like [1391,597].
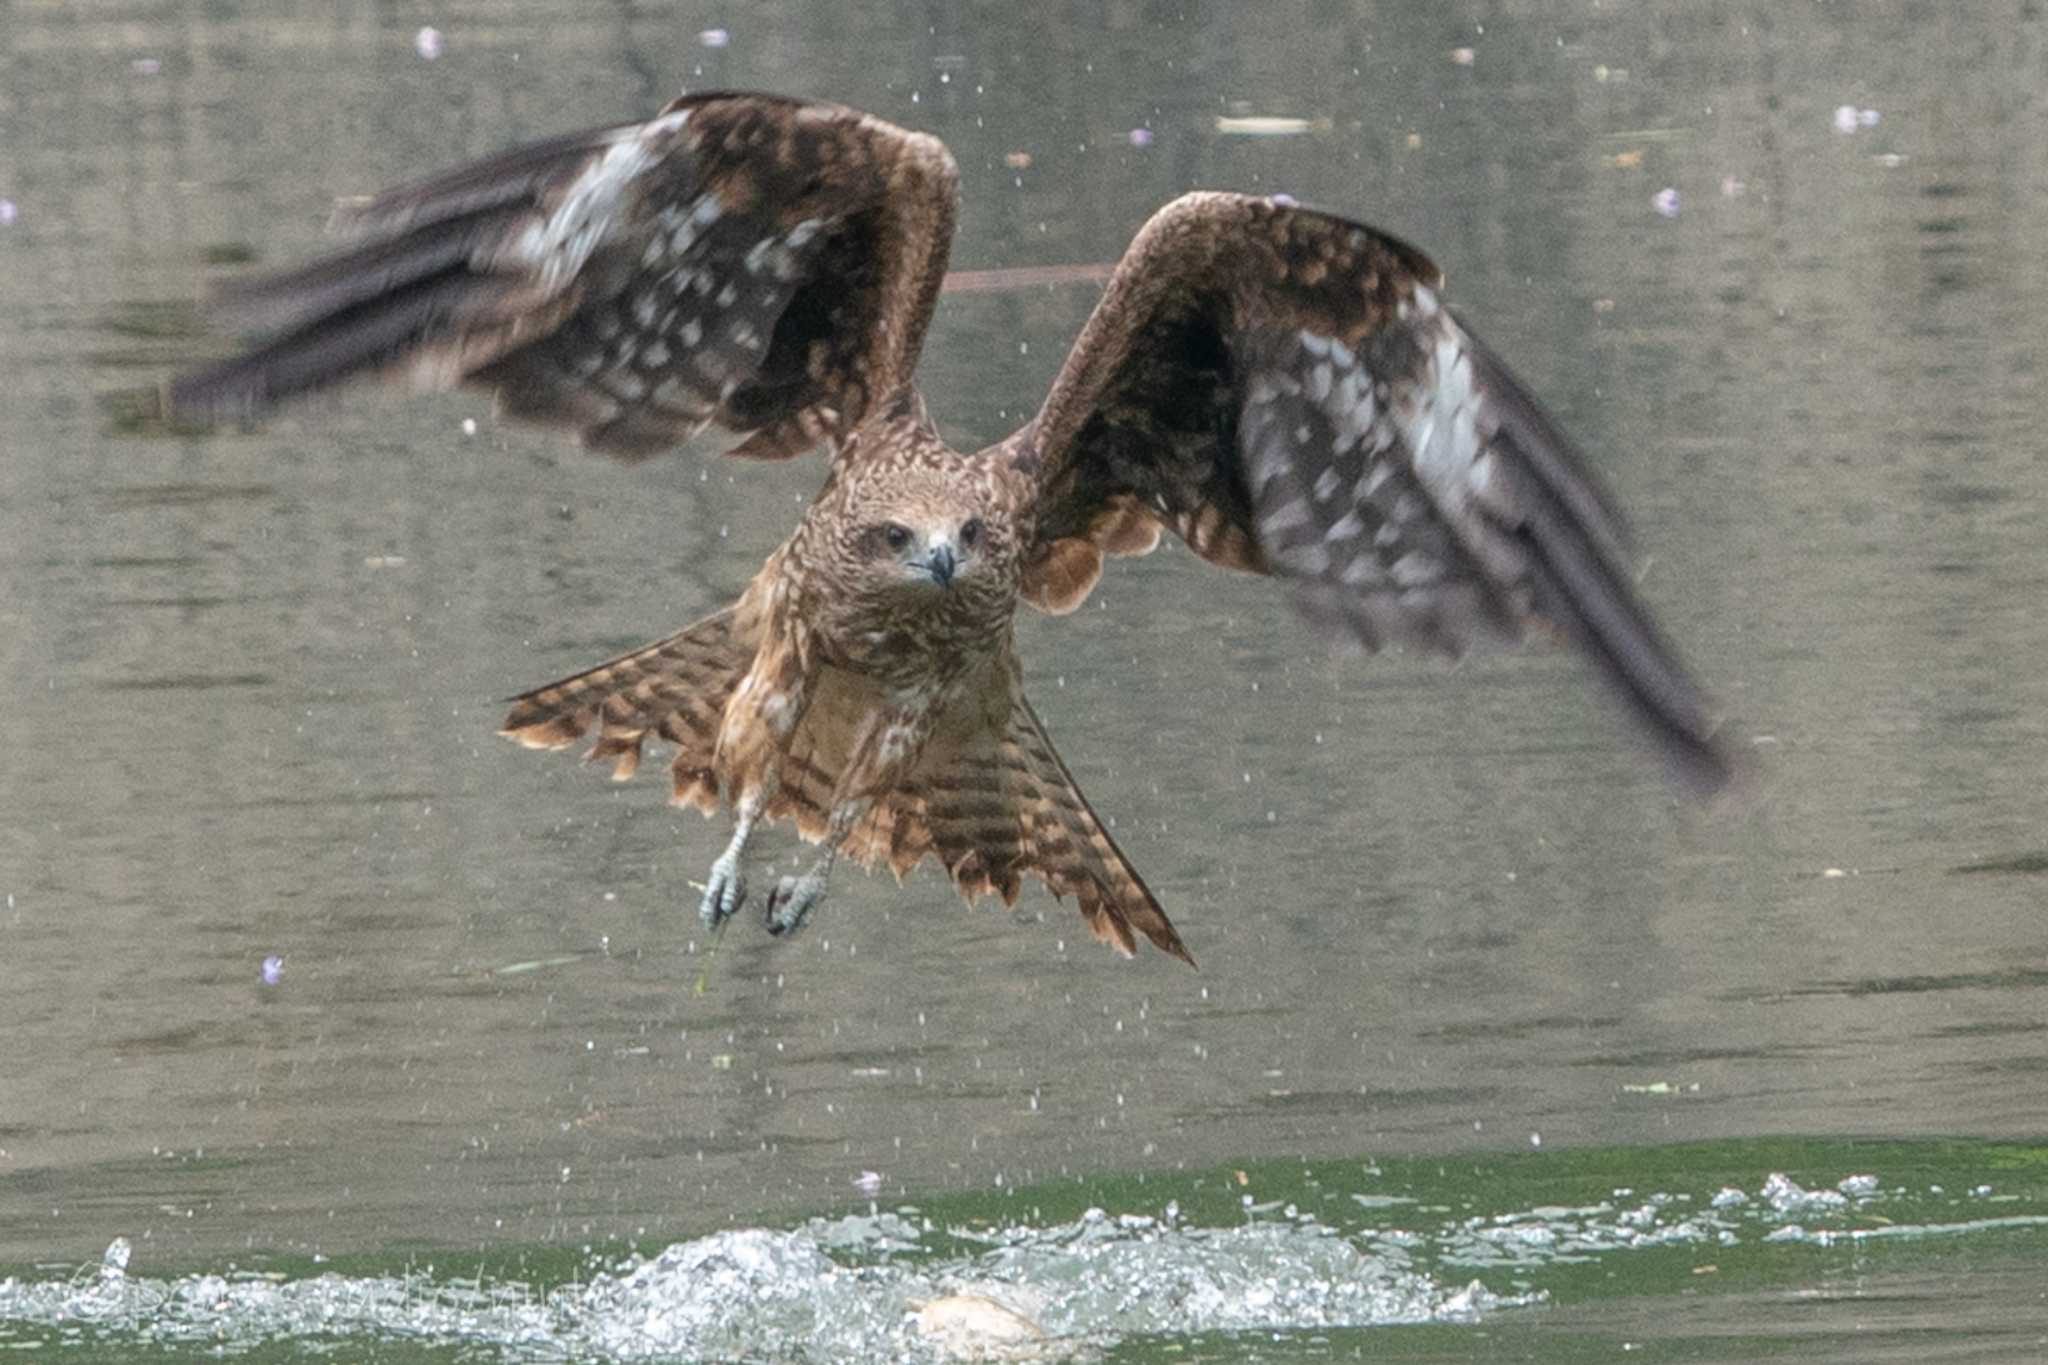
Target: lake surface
[1454,923]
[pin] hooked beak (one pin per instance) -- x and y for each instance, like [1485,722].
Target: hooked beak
[939,563]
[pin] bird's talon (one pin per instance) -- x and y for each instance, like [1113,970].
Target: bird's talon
[725,890]
[792,901]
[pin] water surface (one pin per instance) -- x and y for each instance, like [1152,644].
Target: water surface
[253,675]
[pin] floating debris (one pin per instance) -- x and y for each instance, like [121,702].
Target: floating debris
[227,253]
[469,426]
[273,969]
[145,66]
[1284,199]
[1269,125]
[2033,862]
[8,212]
[534,964]
[868,1182]
[1732,188]
[1625,161]
[1017,161]
[428,43]
[1665,201]
[1848,118]
[715,37]
[1139,137]
[1463,56]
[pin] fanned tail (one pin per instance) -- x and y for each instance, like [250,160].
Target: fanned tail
[1073,851]
[674,689]
[997,810]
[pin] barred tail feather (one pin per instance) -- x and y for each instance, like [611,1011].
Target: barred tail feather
[994,812]
[1074,853]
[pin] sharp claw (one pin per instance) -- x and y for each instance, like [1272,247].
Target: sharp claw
[725,890]
[792,901]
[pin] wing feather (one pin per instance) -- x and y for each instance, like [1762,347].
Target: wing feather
[1284,390]
[674,689]
[765,264]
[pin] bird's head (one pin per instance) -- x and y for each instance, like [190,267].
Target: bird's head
[930,550]
[922,536]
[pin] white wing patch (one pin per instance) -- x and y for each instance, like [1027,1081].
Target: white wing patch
[556,247]
[1370,477]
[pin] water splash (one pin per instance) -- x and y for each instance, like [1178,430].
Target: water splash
[1024,1293]
[895,1285]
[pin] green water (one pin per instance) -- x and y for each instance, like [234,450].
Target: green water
[1705,1251]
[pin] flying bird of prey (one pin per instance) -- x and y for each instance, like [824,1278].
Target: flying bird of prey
[1281,388]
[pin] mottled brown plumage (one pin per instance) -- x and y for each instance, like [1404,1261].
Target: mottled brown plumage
[1280,388]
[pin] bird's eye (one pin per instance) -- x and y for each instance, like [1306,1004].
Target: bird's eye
[970,533]
[896,537]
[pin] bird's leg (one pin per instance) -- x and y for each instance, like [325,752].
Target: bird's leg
[758,721]
[793,899]
[725,889]
[884,751]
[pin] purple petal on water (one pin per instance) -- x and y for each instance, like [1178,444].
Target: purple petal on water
[1845,119]
[1141,137]
[868,1182]
[427,42]
[1867,118]
[9,211]
[1284,200]
[273,970]
[715,37]
[1665,201]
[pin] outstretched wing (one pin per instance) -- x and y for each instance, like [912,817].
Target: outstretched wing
[1283,389]
[763,263]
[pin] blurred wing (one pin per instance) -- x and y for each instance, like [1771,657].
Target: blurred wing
[1283,390]
[759,262]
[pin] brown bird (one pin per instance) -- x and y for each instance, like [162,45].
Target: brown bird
[1281,388]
